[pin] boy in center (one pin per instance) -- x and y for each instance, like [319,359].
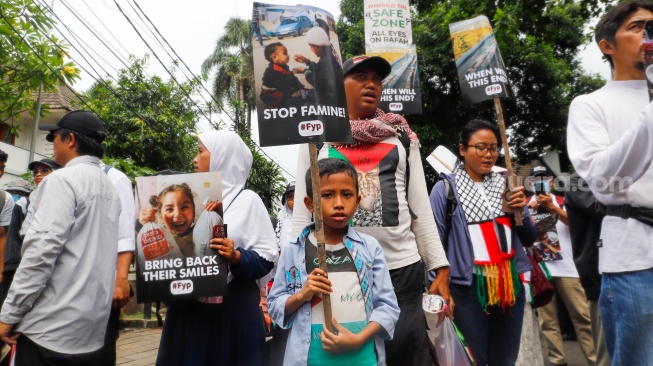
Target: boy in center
[363,302]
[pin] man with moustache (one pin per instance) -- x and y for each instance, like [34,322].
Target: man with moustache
[610,143]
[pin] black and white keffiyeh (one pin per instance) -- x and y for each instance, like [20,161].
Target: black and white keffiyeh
[472,200]
[489,230]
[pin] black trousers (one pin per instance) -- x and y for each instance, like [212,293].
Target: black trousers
[29,353]
[108,350]
[410,344]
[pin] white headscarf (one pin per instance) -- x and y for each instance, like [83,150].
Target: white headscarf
[248,222]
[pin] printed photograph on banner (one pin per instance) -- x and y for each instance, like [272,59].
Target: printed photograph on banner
[176,217]
[481,71]
[401,91]
[376,165]
[299,87]
[387,24]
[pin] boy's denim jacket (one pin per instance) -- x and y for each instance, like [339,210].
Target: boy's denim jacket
[291,277]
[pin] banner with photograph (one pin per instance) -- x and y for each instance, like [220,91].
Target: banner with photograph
[388,33]
[300,95]
[481,72]
[177,215]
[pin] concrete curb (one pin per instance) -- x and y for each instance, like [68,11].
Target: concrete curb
[139,323]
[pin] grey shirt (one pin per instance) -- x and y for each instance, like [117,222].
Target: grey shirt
[62,291]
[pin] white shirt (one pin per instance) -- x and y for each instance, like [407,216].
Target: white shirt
[7,209]
[610,140]
[62,291]
[126,225]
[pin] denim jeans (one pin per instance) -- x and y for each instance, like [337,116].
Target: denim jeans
[493,336]
[626,304]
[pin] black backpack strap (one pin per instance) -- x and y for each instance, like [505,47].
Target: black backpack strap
[405,141]
[451,205]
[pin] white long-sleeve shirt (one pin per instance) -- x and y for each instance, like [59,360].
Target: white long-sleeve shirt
[405,241]
[610,143]
[126,229]
[62,291]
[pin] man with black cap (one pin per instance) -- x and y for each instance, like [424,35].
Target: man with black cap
[551,220]
[397,212]
[57,308]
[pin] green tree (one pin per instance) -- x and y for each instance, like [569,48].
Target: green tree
[28,59]
[233,84]
[539,40]
[150,121]
[265,178]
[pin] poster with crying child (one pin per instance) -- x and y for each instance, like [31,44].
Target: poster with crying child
[177,216]
[299,86]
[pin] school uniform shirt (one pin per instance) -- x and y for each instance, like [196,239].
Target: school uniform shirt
[382,180]
[291,277]
[610,143]
[62,290]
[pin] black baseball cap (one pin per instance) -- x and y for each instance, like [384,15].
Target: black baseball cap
[540,171]
[376,63]
[48,162]
[84,122]
[289,188]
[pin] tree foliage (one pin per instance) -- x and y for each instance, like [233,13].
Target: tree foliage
[28,58]
[539,41]
[150,121]
[233,84]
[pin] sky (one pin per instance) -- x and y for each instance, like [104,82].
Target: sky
[191,27]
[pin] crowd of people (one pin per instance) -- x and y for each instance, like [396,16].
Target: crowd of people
[66,247]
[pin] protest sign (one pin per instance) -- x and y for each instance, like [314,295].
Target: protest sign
[299,86]
[481,72]
[174,229]
[482,76]
[388,34]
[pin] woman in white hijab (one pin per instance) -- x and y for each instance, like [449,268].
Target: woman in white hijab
[229,330]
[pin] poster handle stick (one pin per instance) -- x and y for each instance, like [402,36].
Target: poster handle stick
[506,149]
[444,163]
[319,231]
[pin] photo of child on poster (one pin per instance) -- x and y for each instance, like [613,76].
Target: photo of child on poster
[481,71]
[298,77]
[177,216]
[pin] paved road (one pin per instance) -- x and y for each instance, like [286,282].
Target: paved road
[138,347]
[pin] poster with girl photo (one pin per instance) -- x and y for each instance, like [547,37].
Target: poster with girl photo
[177,216]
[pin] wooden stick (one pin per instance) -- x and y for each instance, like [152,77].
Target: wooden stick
[506,149]
[319,231]
[444,163]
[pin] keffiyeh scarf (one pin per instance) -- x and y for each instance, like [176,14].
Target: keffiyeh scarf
[382,126]
[497,281]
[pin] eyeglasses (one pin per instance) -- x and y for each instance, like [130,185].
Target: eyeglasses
[42,171]
[482,149]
